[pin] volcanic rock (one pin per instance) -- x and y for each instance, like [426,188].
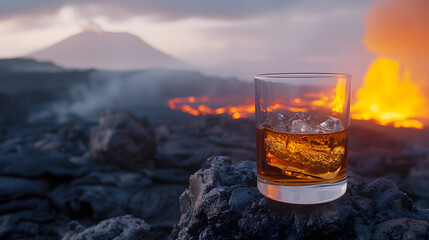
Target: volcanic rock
[118,228]
[33,161]
[379,162]
[409,170]
[187,145]
[183,153]
[123,140]
[417,182]
[223,202]
[109,192]
[402,228]
[48,178]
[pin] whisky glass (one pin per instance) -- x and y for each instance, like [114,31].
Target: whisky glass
[302,122]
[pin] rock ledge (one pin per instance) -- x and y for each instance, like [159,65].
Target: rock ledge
[223,202]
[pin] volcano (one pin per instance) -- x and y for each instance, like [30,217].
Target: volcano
[107,50]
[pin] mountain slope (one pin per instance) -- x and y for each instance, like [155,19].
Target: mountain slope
[27,65]
[107,50]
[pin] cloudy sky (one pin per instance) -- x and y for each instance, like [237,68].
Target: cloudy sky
[224,37]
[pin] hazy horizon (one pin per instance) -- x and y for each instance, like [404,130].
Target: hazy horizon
[237,39]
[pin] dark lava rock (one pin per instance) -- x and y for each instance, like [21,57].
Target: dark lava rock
[123,140]
[31,163]
[183,153]
[118,228]
[48,178]
[62,142]
[379,162]
[402,228]
[186,145]
[409,170]
[109,192]
[223,202]
[30,219]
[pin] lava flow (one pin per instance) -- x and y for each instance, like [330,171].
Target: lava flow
[184,105]
[389,98]
[193,106]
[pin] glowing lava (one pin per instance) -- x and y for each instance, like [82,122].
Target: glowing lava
[388,97]
[183,104]
[193,106]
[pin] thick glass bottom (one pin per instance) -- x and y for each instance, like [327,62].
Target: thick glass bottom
[308,194]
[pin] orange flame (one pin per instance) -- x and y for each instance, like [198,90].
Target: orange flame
[340,95]
[389,98]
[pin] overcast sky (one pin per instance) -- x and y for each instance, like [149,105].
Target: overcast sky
[223,37]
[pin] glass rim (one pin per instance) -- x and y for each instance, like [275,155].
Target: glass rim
[295,75]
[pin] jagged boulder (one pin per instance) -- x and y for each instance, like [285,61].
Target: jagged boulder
[223,202]
[118,228]
[123,140]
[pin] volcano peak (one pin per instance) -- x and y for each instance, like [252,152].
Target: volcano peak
[107,50]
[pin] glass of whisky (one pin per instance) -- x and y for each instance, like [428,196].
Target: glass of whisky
[302,122]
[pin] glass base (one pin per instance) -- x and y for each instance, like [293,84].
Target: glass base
[307,194]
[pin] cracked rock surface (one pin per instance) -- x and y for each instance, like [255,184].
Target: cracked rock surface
[118,228]
[223,202]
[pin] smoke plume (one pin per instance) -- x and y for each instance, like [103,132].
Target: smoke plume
[399,30]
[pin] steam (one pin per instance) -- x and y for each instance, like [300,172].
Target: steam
[399,30]
[91,26]
[143,92]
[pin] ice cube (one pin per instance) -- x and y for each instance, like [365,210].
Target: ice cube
[314,123]
[279,122]
[331,124]
[299,126]
[279,117]
[280,126]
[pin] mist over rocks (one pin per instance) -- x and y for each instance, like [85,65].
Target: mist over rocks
[72,95]
[223,202]
[144,93]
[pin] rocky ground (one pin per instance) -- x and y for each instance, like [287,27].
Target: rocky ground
[223,202]
[60,181]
